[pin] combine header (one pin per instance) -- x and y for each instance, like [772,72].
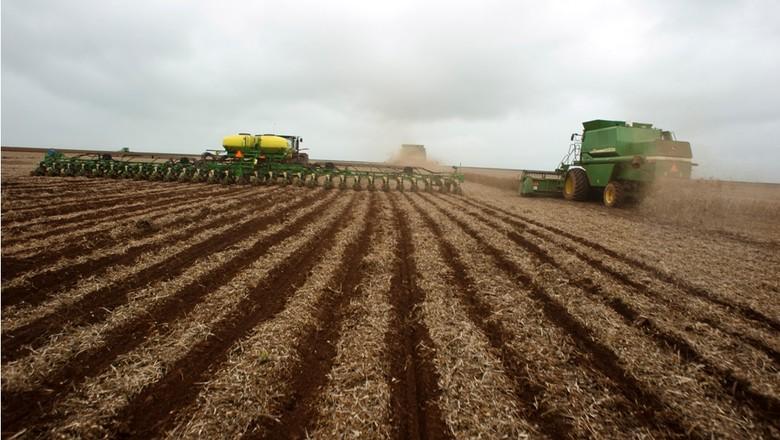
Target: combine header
[617,158]
[254,159]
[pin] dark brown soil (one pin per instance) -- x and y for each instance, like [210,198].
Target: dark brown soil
[96,305]
[549,420]
[131,334]
[415,388]
[150,413]
[44,284]
[645,405]
[671,312]
[317,349]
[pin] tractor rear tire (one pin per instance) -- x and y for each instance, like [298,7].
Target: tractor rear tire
[576,185]
[614,194]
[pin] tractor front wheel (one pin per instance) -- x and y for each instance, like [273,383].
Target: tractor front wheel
[614,194]
[576,186]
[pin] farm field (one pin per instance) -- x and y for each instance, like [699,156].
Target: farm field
[146,309]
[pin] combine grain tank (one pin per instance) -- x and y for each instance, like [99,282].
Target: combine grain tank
[617,158]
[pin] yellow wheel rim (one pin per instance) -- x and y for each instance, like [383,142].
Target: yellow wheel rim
[568,186]
[609,195]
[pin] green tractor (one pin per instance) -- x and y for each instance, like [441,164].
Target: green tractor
[616,158]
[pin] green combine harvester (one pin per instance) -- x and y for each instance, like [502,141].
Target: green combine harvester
[617,158]
[253,159]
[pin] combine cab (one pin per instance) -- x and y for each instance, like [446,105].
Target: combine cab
[253,159]
[617,158]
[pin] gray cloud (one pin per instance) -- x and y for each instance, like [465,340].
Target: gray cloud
[484,83]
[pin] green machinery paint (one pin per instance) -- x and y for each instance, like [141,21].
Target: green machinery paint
[251,166]
[616,157]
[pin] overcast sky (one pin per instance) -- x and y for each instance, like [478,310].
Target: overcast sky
[481,83]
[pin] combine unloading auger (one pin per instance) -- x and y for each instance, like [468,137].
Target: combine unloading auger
[258,160]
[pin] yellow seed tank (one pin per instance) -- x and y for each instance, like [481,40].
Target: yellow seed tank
[268,144]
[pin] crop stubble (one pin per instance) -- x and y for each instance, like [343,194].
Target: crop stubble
[178,357]
[207,313]
[98,305]
[696,400]
[37,255]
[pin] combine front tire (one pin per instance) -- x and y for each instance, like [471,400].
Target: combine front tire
[614,194]
[576,186]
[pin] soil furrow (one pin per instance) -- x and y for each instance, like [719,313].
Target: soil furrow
[46,227]
[51,183]
[20,316]
[96,305]
[167,310]
[768,407]
[470,375]
[15,266]
[90,240]
[647,404]
[36,404]
[691,289]
[56,227]
[549,420]
[415,390]
[644,354]
[88,196]
[33,244]
[102,397]
[753,342]
[152,411]
[586,398]
[317,350]
[622,278]
[23,204]
[259,368]
[65,205]
[24,182]
[93,206]
[47,192]
[359,372]
[41,286]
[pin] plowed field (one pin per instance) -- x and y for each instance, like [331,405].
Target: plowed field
[141,309]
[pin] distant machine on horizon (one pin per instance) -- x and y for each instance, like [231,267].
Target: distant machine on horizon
[413,152]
